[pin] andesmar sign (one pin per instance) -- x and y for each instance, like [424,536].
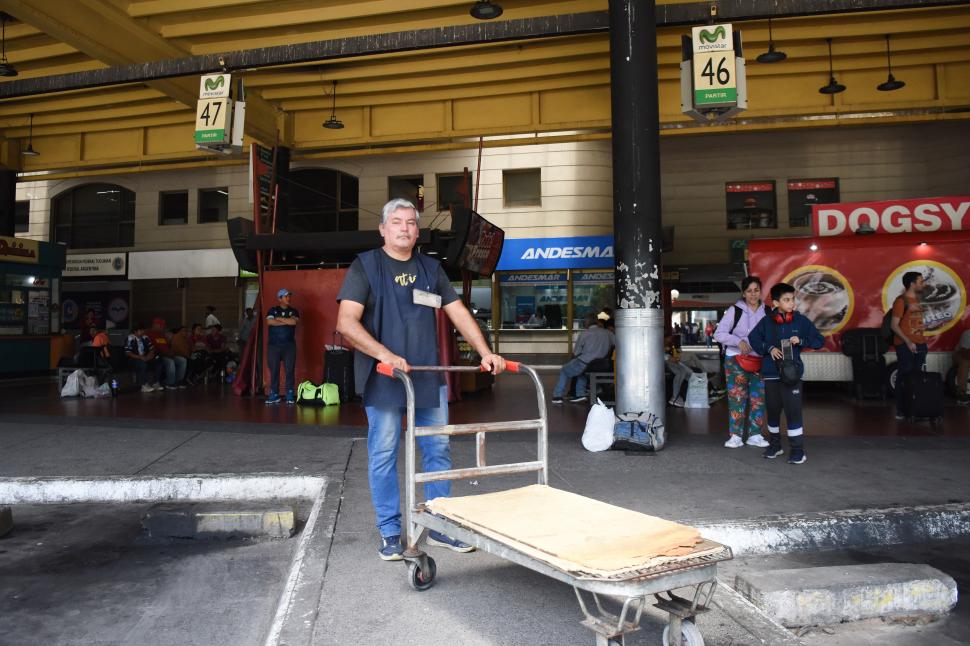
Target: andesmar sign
[585,252]
[19,250]
[921,215]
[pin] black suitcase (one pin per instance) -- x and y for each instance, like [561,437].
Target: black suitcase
[338,368]
[868,368]
[924,395]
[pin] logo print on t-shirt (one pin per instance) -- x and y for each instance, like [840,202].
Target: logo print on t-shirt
[405,279]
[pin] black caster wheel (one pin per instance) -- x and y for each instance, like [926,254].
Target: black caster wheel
[419,579]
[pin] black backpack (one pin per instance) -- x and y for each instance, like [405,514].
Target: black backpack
[737,318]
[886,329]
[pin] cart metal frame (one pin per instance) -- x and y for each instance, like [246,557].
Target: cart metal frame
[631,589]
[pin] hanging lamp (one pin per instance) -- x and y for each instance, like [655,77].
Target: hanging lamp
[834,87]
[333,123]
[772,55]
[890,83]
[485,10]
[6,69]
[29,150]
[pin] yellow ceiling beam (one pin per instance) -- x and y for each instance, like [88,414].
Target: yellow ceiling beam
[263,32]
[118,123]
[82,24]
[69,103]
[591,79]
[340,19]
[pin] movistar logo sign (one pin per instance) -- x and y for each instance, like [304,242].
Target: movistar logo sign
[597,251]
[215,84]
[713,35]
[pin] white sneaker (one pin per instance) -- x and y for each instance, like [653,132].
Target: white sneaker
[758,441]
[734,443]
[145,388]
[159,387]
[679,402]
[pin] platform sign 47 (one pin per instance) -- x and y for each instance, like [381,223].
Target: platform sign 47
[213,115]
[715,81]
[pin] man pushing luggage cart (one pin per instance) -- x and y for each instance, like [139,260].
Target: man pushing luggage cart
[599,549]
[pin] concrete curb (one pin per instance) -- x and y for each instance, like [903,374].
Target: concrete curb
[170,488]
[841,529]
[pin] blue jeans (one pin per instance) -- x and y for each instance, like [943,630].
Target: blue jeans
[907,362]
[575,368]
[383,439]
[174,369]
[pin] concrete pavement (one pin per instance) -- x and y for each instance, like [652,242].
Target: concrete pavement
[478,598]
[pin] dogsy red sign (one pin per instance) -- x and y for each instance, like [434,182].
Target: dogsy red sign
[922,215]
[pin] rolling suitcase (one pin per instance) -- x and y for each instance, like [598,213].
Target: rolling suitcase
[868,368]
[338,368]
[924,395]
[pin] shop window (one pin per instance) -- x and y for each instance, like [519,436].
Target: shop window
[533,300]
[94,216]
[173,207]
[213,205]
[21,217]
[592,291]
[410,188]
[805,193]
[522,187]
[321,200]
[751,205]
[454,190]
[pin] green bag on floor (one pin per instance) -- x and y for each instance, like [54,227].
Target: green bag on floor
[310,394]
[330,394]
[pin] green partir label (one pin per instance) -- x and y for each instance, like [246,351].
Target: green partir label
[707,97]
[208,136]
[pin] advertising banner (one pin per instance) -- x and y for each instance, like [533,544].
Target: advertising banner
[851,282]
[19,250]
[921,215]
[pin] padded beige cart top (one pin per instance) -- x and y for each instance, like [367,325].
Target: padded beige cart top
[572,532]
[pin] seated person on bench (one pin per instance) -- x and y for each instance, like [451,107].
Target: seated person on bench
[681,372]
[595,342]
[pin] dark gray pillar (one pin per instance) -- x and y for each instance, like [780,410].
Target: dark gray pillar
[8,202]
[636,207]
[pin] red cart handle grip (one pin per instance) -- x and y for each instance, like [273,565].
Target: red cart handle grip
[385,369]
[511,366]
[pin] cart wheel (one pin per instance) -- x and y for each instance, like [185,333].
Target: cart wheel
[690,635]
[420,580]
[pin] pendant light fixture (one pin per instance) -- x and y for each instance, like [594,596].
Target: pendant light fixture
[891,83]
[29,150]
[6,69]
[485,10]
[772,55]
[333,123]
[833,87]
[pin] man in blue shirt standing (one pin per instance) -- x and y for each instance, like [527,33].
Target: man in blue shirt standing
[281,347]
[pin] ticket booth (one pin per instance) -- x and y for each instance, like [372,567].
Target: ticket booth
[30,273]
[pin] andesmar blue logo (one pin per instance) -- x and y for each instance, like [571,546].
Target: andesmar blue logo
[557,253]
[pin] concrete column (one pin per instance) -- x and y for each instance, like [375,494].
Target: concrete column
[636,208]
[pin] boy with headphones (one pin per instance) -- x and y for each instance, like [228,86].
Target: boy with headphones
[782,334]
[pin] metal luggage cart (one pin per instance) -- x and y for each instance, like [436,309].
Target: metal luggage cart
[629,589]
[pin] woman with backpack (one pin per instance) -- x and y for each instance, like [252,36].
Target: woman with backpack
[742,367]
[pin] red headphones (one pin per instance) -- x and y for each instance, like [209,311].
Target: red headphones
[782,318]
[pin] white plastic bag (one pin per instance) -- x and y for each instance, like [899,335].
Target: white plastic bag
[72,387]
[697,391]
[598,435]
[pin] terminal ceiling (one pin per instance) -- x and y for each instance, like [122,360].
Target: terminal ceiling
[437,98]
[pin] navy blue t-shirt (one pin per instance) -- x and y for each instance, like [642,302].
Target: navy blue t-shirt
[282,334]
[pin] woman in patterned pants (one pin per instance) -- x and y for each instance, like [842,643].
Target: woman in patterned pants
[745,389]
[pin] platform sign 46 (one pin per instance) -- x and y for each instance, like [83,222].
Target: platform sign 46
[213,115]
[715,82]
